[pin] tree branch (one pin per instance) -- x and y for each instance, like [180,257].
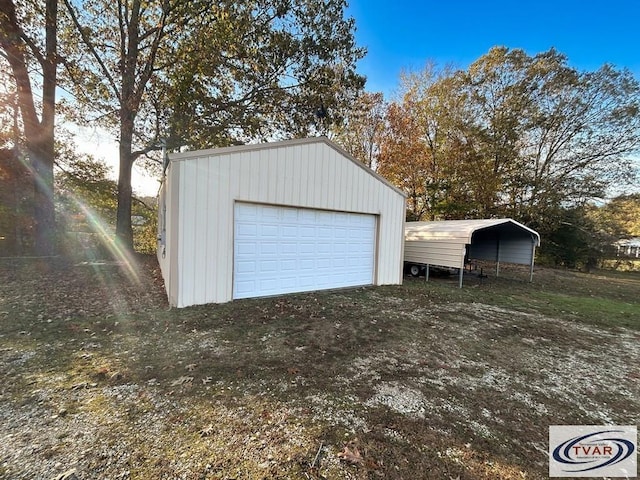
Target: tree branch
[94,53]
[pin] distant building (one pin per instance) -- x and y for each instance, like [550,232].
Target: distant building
[628,247]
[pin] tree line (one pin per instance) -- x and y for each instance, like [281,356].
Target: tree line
[513,135]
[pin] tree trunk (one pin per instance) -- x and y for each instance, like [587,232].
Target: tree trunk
[124,231]
[39,134]
[41,158]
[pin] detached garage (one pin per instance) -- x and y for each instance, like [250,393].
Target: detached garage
[452,243]
[275,218]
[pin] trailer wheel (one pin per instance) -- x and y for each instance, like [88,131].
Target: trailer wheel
[414,270]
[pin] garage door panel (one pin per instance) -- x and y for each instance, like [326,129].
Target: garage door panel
[269,231]
[289,231]
[307,248]
[307,232]
[245,286]
[324,232]
[288,265]
[268,266]
[245,248]
[306,264]
[244,229]
[288,248]
[289,215]
[285,250]
[268,212]
[266,248]
[246,266]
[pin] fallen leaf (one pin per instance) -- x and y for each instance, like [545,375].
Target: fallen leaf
[181,381]
[351,455]
[191,367]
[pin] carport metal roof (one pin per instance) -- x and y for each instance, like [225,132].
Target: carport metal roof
[459,229]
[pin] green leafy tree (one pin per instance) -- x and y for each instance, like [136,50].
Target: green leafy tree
[110,68]
[420,145]
[255,70]
[86,200]
[28,45]
[205,73]
[619,217]
[362,127]
[574,240]
[513,135]
[551,136]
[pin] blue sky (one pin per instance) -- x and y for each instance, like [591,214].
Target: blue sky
[405,34]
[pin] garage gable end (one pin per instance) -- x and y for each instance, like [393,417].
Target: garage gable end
[292,178]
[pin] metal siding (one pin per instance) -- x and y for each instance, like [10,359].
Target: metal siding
[173,233]
[318,183]
[274,175]
[331,174]
[517,251]
[228,167]
[296,176]
[515,244]
[188,242]
[254,173]
[245,181]
[211,211]
[433,252]
[263,172]
[325,156]
[200,229]
[287,176]
[312,175]
[339,195]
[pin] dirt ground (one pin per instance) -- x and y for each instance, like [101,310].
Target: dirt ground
[100,379]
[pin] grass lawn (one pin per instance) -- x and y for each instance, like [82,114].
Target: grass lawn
[424,380]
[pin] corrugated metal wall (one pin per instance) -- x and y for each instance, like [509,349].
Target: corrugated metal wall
[305,173]
[502,244]
[445,253]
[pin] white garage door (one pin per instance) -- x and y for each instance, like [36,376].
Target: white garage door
[285,250]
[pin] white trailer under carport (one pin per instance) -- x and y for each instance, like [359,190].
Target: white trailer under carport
[450,243]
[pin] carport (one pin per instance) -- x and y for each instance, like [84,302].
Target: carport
[453,243]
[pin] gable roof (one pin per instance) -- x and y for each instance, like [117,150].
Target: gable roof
[181,156]
[458,229]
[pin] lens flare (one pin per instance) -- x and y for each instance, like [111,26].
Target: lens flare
[112,244]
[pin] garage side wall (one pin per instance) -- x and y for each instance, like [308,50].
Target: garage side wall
[168,216]
[310,175]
